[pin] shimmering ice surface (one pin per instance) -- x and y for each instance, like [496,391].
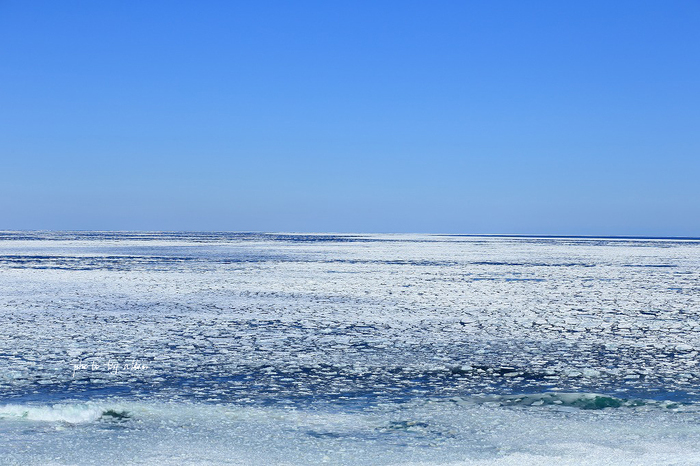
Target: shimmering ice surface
[212,348]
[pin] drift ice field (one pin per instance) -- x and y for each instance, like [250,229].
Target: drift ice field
[258,349]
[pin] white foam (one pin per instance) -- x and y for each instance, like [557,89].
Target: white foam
[68,413]
[584,454]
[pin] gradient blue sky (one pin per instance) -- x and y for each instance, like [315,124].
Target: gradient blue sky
[542,117]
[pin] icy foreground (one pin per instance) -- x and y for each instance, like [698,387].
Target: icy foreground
[169,348]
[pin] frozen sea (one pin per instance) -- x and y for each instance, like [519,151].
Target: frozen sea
[299,349]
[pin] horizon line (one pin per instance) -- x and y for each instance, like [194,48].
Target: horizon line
[270,232]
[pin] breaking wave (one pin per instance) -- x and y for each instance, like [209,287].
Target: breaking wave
[65,413]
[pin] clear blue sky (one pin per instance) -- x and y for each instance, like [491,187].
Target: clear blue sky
[555,117]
